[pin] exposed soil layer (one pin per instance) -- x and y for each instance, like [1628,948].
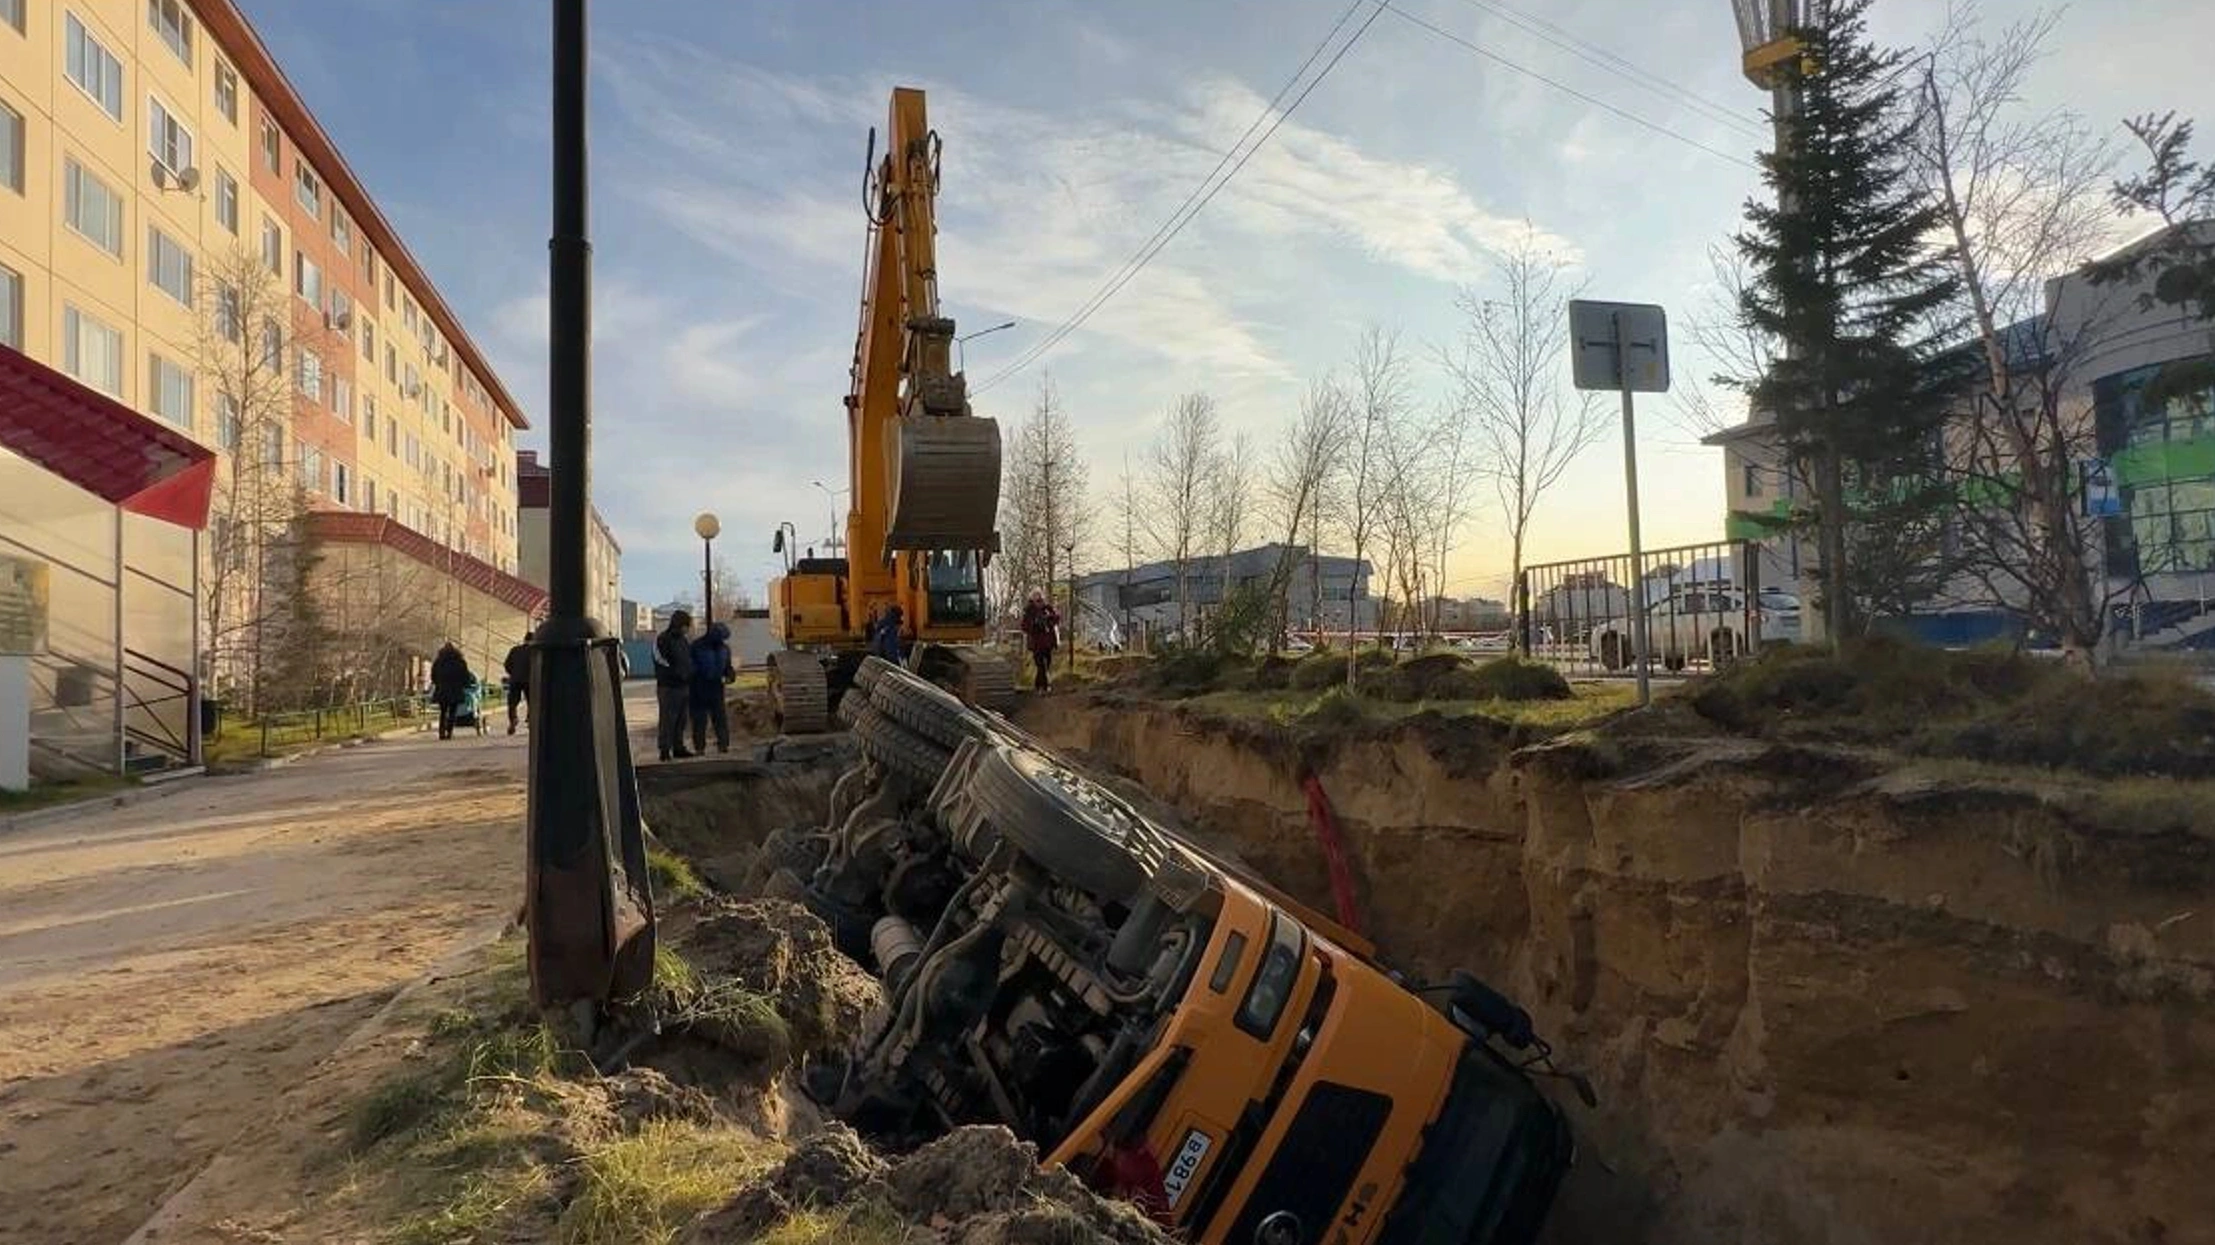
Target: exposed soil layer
[1825,996]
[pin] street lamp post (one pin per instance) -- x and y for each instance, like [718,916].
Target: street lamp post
[707,527]
[1069,555]
[961,356]
[835,542]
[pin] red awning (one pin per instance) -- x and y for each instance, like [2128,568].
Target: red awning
[102,446]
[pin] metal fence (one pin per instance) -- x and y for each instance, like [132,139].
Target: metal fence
[1703,606]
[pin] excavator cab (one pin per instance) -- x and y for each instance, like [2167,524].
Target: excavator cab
[950,585]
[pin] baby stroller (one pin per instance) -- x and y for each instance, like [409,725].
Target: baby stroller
[468,715]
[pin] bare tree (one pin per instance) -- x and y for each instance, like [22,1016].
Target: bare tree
[1180,476]
[1509,373]
[254,348]
[1379,402]
[2021,195]
[1296,485]
[1231,499]
[1731,344]
[1127,544]
[1044,501]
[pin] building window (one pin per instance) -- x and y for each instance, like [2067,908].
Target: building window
[273,446]
[392,365]
[342,311]
[273,247]
[94,69]
[307,279]
[229,427]
[369,342]
[168,265]
[342,232]
[369,494]
[226,201]
[229,316]
[11,14]
[168,141]
[339,491]
[1752,479]
[92,351]
[369,419]
[407,315]
[311,469]
[226,91]
[273,345]
[173,22]
[342,399]
[11,307]
[388,287]
[11,149]
[307,373]
[170,389]
[307,188]
[369,269]
[92,208]
[272,145]
[392,438]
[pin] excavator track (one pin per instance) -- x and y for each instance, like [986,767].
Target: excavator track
[800,690]
[991,680]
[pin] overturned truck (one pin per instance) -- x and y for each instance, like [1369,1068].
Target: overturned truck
[1165,1025]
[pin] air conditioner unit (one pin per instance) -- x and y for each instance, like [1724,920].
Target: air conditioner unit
[412,390]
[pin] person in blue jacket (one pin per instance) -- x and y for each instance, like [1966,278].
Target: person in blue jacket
[884,637]
[712,671]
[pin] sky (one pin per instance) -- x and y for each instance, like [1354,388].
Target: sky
[728,143]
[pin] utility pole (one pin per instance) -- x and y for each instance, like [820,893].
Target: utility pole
[1070,548]
[588,910]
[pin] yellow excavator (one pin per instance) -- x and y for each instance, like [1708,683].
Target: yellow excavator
[923,471]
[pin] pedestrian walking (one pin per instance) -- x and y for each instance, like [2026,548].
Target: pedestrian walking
[673,683]
[1041,634]
[517,668]
[712,671]
[451,678]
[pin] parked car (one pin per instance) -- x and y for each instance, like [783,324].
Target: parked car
[1711,625]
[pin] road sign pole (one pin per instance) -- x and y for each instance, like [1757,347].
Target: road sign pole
[1640,643]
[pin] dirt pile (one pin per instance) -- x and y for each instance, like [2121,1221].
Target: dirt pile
[974,1186]
[1826,996]
[781,952]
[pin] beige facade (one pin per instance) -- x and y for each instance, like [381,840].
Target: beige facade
[603,556]
[144,143]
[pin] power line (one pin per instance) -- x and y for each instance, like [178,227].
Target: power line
[1563,87]
[1611,63]
[1201,194]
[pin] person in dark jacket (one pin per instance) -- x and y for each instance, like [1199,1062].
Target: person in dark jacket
[1041,633]
[517,668]
[884,638]
[673,683]
[712,671]
[450,680]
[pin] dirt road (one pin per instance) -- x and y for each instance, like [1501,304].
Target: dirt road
[166,968]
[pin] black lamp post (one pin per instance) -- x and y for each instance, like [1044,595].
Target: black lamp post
[707,527]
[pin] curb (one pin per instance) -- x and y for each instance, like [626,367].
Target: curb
[169,785]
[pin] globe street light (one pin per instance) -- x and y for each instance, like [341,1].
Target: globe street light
[707,527]
[961,355]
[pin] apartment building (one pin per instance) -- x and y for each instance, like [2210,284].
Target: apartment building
[158,173]
[534,488]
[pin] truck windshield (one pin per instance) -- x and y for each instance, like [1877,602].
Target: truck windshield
[955,587]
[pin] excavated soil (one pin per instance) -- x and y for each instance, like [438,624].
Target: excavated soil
[1825,997]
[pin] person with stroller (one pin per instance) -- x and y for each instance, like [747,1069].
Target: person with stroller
[712,671]
[451,681]
[517,667]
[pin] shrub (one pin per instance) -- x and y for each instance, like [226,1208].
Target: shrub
[1512,678]
[1336,709]
[1318,670]
[1274,674]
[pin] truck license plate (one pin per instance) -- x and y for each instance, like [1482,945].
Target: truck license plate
[1185,1165]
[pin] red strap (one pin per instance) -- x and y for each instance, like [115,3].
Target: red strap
[1334,850]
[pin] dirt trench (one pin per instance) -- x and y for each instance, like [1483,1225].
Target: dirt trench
[1823,999]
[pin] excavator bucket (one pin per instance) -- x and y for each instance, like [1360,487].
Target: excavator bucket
[945,483]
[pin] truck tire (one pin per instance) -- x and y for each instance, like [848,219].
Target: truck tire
[900,750]
[930,711]
[865,676]
[1065,823]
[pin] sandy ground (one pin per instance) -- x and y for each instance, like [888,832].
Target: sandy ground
[166,970]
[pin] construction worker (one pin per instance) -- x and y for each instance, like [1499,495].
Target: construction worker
[673,684]
[884,636]
[1041,634]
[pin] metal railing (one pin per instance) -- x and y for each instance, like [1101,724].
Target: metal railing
[1703,607]
[159,709]
[302,727]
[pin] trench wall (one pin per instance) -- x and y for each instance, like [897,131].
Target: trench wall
[1822,1001]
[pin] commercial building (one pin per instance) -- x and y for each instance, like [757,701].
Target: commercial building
[1327,593]
[179,234]
[2134,376]
[534,484]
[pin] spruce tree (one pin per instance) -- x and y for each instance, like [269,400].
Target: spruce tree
[1849,281]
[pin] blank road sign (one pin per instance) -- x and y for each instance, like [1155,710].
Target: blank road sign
[1616,346]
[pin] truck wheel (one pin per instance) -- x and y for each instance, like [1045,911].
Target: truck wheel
[928,710]
[865,676]
[1722,648]
[1066,824]
[900,750]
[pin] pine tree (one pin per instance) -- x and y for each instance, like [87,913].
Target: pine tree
[1849,282]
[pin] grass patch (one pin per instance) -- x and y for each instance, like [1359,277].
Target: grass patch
[866,1223]
[671,875]
[648,1185]
[243,739]
[68,790]
[1986,705]
[1334,708]
[406,1105]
